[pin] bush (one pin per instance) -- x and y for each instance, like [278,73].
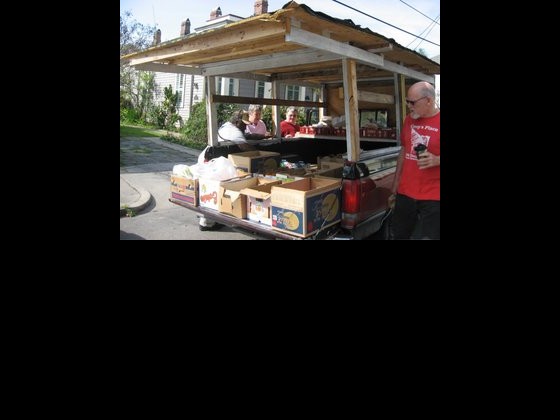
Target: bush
[130,116]
[195,129]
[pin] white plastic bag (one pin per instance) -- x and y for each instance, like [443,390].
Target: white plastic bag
[217,169]
[182,170]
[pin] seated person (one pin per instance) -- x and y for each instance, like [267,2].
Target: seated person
[256,129]
[289,127]
[233,131]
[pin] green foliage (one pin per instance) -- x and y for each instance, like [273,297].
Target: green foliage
[195,128]
[134,35]
[129,131]
[127,211]
[166,115]
[266,116]
[136,88]
[129,116]
[225,111]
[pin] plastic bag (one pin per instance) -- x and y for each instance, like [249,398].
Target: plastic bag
[182,170]
[217,169]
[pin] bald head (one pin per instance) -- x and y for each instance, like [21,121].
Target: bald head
[421,100]
[419,89]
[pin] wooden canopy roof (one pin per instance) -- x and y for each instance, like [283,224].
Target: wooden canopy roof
[294,44]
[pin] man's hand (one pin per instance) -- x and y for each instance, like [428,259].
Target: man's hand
[427,160]
[391,200]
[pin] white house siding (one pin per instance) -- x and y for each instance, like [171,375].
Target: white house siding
[192,91]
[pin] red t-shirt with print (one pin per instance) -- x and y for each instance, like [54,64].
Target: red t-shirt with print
[287,127]
[420,184]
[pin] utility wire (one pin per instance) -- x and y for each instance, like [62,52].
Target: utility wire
[393,26]
[427,30]
[419,11]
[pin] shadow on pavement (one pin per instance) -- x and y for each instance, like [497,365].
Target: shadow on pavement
[130,236]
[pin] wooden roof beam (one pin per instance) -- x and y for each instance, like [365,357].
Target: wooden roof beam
[310,39]
[230,39]
[268,61]
[169,68]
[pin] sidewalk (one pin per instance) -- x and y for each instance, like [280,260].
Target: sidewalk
[134,198]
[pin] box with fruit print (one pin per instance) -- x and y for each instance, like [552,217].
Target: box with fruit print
[305,206]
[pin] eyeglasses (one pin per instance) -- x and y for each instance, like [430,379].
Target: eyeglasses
[414,102]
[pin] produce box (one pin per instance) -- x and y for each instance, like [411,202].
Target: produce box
[209,190]
[301,207]
[258,202]
[232,200]
[256,161]
[184,189]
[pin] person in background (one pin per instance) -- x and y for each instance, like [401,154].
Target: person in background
[231,130]
[234,129]
[256,125]
[415,194]
[289,127]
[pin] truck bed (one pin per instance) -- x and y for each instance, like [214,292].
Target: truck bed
[256,229]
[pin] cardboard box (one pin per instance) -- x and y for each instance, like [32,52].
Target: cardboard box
[301,207]
[184,189]
[231,199]
[209,191]
[329,162]
[256,161]
[258,202]
[335,172]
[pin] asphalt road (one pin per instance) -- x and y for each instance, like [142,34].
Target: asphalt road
[148,162]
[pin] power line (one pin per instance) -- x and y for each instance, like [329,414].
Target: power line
[393,26]
[419,11]
[427,30]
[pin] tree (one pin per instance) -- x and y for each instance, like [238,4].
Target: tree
[136,88]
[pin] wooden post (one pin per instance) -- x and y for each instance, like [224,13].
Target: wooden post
[275,129]
[351,110]
[211,112]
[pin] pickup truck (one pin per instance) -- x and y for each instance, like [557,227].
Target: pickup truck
[365,188]
[299,57]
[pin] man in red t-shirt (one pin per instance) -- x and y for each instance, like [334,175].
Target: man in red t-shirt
[416,187]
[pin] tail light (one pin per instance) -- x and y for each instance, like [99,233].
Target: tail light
[351,185]
[351,196]
[354,175]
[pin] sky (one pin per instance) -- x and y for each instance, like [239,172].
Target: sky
[414,16]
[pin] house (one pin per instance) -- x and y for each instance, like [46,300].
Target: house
[191,87]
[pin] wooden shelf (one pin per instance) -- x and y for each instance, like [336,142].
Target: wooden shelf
[327,137]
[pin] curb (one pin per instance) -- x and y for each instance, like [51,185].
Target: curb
[143,201]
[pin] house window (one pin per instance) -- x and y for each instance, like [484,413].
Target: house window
[179,102]
[260,90]
[219,85]
[231,87]
[180,88]
[292,92]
